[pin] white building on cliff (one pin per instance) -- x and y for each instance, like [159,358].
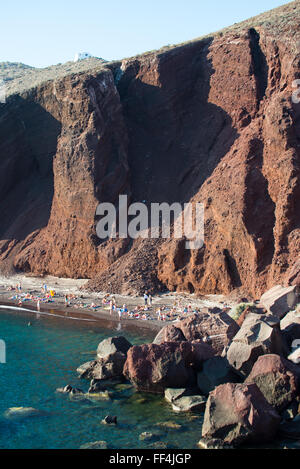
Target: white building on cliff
[82,56]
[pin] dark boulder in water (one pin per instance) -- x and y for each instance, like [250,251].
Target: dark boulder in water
[110,420]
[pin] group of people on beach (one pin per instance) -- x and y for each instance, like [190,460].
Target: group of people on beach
[145,311]
[47,296]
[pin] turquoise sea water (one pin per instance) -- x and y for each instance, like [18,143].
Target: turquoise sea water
[43,357]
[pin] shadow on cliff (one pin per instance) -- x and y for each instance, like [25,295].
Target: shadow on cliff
[176,136]
[259,213]
[28,141]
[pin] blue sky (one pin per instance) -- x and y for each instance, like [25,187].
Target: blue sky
[42,33]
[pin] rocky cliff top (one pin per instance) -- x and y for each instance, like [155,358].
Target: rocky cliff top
[20,77]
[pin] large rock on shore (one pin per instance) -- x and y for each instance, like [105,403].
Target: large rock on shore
[110,367]
[113,345]
[154,368]
[169,333]
[256,337]
[216,371]
[277,379]
[189,403]
[215,327]
[279,300]
[290,327]
[185,399]
[85,371]
[111,357]
[239,413]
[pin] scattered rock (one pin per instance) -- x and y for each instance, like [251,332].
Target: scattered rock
[110,420]
[111,357]
[290,327]
[160,445]
[279,300]
[112,345]
[147,436]
[216,371]
[110,367]
[169,425]
[256,337]
[22,413]
[171,394]
[189,404]
[215,327]
[85,371]
[277,380]
[213,443]
[169,333]
[95,445]
[239,413]
[154,368]
[96,385]
[100,396]
[68,389]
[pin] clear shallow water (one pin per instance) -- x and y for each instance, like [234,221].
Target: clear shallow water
[43,357]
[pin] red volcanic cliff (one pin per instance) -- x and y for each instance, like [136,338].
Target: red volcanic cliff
[211,121]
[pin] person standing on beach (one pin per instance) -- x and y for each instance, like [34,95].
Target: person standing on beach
[146,298]
[110,307]
[150,300]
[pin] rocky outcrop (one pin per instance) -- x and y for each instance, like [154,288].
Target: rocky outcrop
[290,327]
[208,121]
[76,148]
[239,413]
[214,327]
[113,345]
[256,337]
[169,333]
[111,357]
[216,371]
[185,399]
[109,367]
[280,300]
[153,368]
[189,404]
[85,370]
[68,389]
[277,379]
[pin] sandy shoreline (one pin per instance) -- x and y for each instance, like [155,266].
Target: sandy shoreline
[62,286]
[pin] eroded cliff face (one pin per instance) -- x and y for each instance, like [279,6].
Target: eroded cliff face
[210,121]
[87,163]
